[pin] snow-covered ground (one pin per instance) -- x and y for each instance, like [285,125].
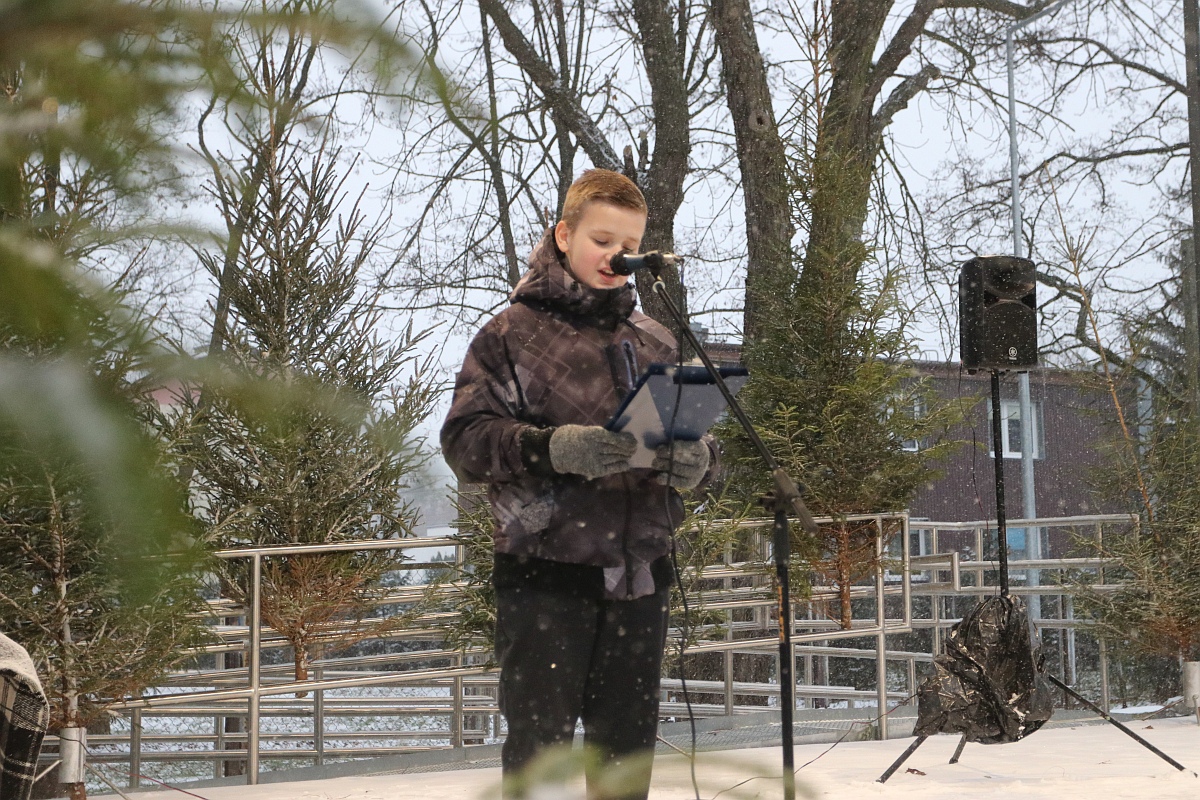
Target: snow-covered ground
[1096,762]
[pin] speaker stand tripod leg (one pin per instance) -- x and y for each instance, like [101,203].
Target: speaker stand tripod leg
[912,748]
[1108,717]
[958,750]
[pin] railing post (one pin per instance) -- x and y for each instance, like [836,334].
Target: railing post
[1105,699]
[458,719]
[219,732]
[319,718]
[255,656]
[1071,650]
[135,748]
[881,637]
[728,657]
[935,599]
[456,712]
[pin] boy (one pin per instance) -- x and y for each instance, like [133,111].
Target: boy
[582,573]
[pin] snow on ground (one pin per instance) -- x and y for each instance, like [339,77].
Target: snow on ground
[1096,762]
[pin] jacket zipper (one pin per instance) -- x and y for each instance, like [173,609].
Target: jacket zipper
[631,372]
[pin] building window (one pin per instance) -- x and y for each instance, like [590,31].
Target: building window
[918,412]
[1010,429]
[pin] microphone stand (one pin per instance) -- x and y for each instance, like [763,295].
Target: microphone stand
[785,497]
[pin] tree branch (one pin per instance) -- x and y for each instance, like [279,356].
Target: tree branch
[899,99]
[900,45]
[1119,61]
[1006,7]
[553,87]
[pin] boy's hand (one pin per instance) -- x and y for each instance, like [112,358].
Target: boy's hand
[590,450]
[687,463]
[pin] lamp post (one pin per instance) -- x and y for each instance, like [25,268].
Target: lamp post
[1033,539]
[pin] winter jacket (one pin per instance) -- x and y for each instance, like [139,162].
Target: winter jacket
[561,353]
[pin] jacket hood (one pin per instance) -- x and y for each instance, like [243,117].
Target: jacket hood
[548,283]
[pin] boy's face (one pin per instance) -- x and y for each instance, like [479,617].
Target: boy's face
[603,231]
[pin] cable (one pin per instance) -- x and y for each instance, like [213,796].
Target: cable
[815,758]
[851,730]
[163,784]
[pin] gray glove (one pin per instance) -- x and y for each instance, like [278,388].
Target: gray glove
[688,463]
[590,450]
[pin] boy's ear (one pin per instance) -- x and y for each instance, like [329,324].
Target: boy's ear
[561,234]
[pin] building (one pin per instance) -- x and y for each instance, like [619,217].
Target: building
[1073,419]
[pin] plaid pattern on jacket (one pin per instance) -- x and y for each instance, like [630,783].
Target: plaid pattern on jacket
[562,353]
[24,717]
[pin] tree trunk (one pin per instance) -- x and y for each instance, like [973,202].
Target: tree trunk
[233,724]
[662,181]
[843,164]
[766,177]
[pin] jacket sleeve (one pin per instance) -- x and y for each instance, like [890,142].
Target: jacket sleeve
[481,437]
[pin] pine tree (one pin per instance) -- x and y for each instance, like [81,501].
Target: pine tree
[1153,462]
[831,397]
[103,614]
[331,460]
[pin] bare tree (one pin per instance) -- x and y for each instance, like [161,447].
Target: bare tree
[1117,180]
[616,84]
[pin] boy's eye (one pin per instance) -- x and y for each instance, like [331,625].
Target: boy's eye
[601,242]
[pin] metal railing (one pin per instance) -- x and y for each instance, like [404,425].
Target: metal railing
[439,697]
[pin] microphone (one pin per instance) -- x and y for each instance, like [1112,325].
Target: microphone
[627,263]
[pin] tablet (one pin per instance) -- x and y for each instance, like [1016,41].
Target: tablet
[649,409]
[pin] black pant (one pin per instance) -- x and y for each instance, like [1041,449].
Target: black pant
[564,657]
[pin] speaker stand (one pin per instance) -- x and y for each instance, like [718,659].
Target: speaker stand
[998,452]
[1002,546]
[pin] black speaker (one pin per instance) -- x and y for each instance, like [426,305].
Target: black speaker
[997,313]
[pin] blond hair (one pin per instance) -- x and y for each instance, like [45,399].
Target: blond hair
[601,186]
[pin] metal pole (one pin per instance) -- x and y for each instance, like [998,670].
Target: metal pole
[1033,536]
[1014,173]
[962,742]
[998,447]
[219,732]
[881,637]
[1028,495]
[728,582]
[456,710]
[135,748]
[1124,729]
[787,701]
[786,497]
[255,656]
[912,748]
[1013,156]
[1105,700]
[1072,666]
[319,719]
